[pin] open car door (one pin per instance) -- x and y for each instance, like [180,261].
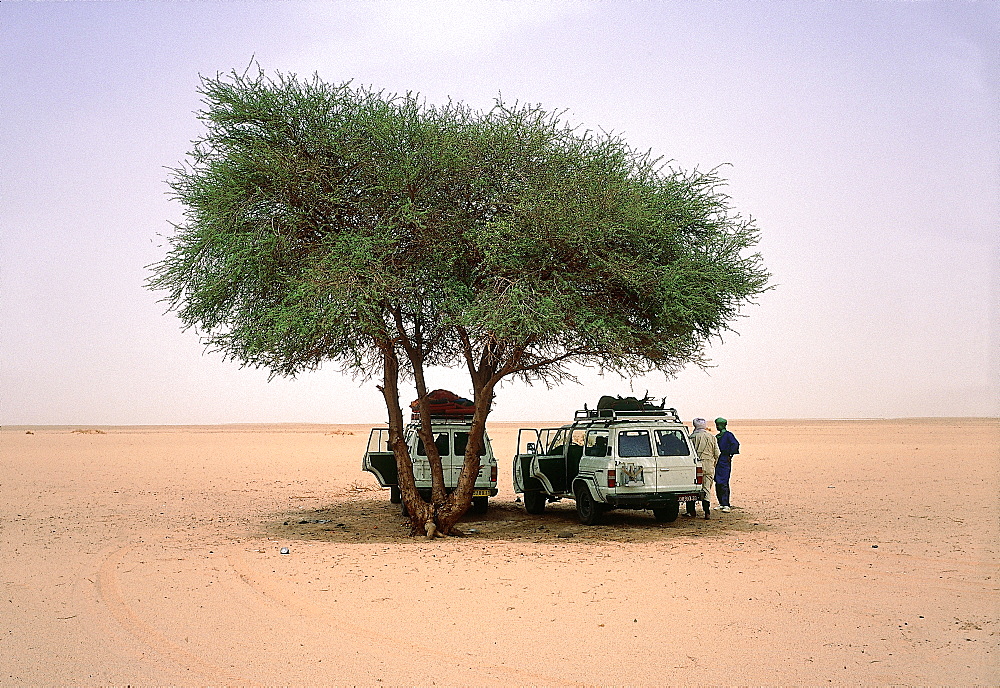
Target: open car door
[379,459]
[548,465]
[527,443]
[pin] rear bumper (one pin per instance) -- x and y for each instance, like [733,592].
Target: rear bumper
[651,500]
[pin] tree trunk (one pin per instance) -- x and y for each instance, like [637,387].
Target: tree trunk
[421,518]
[444,511]
[438,493]
[420,511]
[460,499]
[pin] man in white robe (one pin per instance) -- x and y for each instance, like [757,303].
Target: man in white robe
[707,448]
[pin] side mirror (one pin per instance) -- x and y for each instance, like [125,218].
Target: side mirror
[530,447]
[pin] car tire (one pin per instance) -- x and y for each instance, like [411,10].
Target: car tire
[480,505]
[534,502]
[668,514]
[587,508]
[395,496]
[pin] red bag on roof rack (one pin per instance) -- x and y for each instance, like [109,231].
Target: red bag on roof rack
[445,403]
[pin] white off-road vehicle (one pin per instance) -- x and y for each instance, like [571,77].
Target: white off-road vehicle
[607,459]
[451,435]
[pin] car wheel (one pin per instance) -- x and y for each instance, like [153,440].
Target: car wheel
[668,514]
[534,502]
[480,505]
[586,508]
[395,497]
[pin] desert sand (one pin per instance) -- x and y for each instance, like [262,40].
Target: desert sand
[857,552]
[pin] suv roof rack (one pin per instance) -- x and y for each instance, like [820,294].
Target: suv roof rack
[613,415]
[455,419]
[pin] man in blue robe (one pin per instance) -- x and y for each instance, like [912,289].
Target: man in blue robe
[728,446]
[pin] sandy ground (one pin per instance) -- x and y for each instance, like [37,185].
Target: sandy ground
[858,552]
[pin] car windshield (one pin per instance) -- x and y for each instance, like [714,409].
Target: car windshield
[634,443]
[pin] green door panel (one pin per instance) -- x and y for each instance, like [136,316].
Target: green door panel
[554,468]
[383,465]
[527,480]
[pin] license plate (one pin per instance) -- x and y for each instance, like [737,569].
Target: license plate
[480,493]
[687,498]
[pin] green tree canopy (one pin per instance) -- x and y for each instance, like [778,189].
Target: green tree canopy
[336,223]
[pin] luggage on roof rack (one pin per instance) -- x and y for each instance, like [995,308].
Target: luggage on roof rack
[619,403]
[445,405]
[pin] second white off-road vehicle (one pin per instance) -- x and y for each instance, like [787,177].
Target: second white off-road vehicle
[451,435]
[608,459]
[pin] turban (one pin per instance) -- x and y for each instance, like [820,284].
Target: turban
[699,423]
[721,421]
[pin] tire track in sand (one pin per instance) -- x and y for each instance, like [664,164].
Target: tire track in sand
[273,595]
[109,597]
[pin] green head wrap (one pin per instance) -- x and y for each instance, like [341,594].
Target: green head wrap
[720,423]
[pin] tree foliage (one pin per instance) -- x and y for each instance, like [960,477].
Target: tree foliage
[330,222]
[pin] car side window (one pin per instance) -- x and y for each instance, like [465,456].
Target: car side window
[462,442]
[671,443]
[558,445]
[597,443]
[634,443]
[440,439]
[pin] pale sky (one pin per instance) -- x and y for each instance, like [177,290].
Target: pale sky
[862,137]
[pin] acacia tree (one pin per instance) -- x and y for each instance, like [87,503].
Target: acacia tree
[334,223]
